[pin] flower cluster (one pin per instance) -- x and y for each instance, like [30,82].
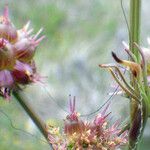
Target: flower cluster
[17,48]
[78,134]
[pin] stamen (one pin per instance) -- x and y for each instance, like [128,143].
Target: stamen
[25,28]
[39,40]
[37,34]
[30,31]
[74,103]
[6,11]
[70,104]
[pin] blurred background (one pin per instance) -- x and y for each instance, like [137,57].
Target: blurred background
[79,35]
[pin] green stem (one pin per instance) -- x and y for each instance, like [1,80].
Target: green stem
[135,15]
[20,97]
[134,37]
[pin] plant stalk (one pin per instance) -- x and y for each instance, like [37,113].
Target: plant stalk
[20,97]
[134,37]
[135,21]
[135,15]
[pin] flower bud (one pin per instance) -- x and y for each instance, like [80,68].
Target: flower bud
[23,73]
[8,32]
[7,59]
[7,29]
[24,50]
[72,122]
[71,127]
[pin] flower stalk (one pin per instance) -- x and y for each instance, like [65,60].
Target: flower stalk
[134,37]
[20,97]
[135,15]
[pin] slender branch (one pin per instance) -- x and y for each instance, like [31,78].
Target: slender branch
[20,97]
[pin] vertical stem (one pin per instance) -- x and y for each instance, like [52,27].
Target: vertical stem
[135,15]
[20,97]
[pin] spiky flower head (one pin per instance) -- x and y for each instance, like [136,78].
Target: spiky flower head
[79,134]
[17,49]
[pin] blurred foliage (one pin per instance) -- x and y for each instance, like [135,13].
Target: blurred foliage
[80,35]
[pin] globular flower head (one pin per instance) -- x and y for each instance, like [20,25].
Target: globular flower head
[17,48]
[79,134]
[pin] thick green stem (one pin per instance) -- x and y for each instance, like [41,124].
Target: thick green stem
[20,97]
[135,14]
[134,37]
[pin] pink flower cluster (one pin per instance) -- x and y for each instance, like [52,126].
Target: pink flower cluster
[78,134]
[17,48]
